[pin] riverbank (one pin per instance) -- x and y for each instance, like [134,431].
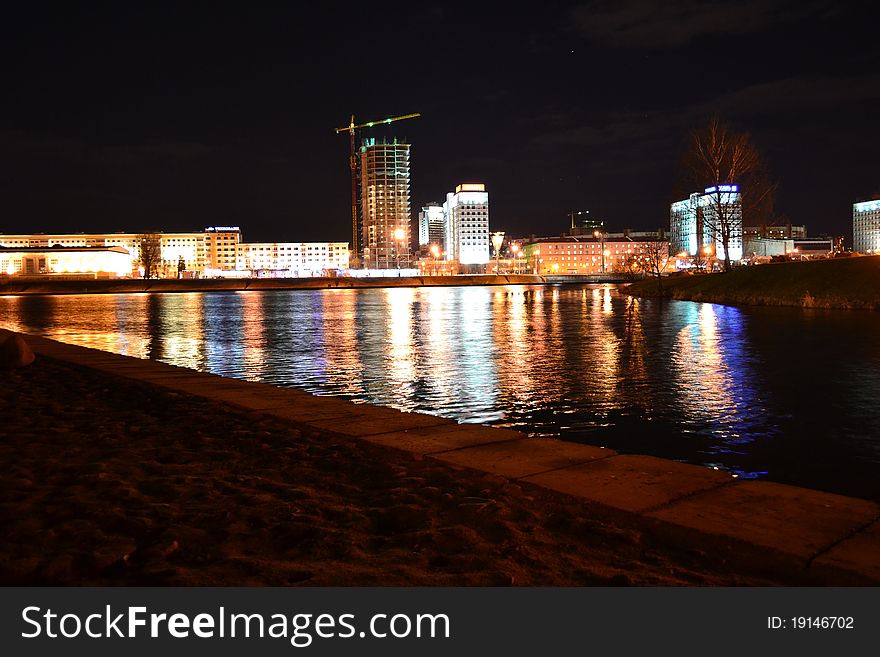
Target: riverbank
[845,283]
[123,471]
[45,285]
[116,482]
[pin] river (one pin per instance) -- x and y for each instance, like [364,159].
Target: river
[786,394]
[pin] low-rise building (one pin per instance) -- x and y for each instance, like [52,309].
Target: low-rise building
[782,231]
[172,246]
[591,255]
[97,261]
[292,259]
[217,251]
[814,247]
[760,247]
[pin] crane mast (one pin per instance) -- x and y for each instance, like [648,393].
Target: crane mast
[352,129]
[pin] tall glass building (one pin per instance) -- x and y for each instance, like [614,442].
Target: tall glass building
[866,226]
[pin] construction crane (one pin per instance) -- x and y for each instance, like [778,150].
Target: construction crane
[353,163]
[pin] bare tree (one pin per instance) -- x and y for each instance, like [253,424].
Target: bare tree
[655,260]
[150,253]
[717,157]
[700,260]
[630,266]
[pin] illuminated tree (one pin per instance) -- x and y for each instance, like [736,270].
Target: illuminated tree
[716,157]
[150,253]
[655,260]
[630,266]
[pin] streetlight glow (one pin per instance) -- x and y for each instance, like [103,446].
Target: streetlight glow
[399,235]
[497,241]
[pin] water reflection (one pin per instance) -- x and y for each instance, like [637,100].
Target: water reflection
[400,352]
[342,327]
[712,374]
[698,382]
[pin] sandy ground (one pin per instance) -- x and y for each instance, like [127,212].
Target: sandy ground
[113,482]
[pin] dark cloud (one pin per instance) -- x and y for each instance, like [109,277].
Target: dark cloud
[17,144]
[778,100]
[797,95]
[649,24]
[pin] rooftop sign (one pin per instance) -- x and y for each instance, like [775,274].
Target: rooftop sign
[470,187]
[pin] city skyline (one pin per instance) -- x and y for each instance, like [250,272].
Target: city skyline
[568,106]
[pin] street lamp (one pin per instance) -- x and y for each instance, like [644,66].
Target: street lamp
[497,241]
[601,237]
[707,250]
[399,235]
[435,251]
[515,248]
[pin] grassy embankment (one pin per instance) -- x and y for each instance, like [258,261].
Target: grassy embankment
[851,283]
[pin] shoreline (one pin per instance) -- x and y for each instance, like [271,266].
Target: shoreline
[747,532]
[40,286]
[839,284]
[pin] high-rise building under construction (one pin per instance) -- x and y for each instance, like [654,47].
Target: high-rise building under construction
[385,204]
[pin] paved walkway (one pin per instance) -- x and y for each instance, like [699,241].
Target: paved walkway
[832,537]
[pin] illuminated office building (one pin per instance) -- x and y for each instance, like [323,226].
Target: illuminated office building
[693,223]
[466,214]
[432,225]
[866,226]
[385,203]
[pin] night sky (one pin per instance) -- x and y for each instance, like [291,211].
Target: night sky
[127,117]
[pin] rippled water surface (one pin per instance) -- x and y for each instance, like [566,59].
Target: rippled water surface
[789,394]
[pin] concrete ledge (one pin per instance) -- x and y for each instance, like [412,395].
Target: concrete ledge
[524,457]
[860,553]
[445,437]
[632,483]
[366,421]
[828,538]
[796,521]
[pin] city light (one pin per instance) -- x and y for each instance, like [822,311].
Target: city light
[497,241]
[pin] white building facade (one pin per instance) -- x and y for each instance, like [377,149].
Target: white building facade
[694,222]
[466,219]
[291,259]
[866,227]
[99,261]
[432,225]
[217,251]
[172,247]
